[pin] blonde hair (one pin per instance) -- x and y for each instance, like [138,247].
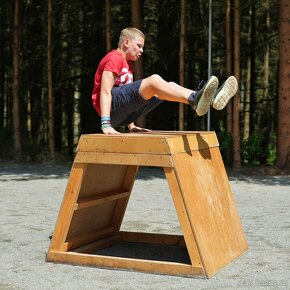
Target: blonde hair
[129,33]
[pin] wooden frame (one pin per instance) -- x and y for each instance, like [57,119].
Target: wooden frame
[93,206]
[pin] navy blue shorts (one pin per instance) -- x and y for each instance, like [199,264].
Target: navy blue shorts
[127,104]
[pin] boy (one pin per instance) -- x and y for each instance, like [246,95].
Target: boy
[120,101]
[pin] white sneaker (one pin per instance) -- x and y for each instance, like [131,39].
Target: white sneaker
[225,93]
[204,96]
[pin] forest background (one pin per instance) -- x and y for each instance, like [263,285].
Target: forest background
[50,51]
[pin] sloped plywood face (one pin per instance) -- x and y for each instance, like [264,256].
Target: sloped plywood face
[98,179]
[210,207]
[101,178]
[92,219]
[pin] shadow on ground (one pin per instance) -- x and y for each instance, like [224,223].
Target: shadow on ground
[22,172]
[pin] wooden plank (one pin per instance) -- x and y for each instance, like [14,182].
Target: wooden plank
[122,158]
[188,143]
[100,198]
[91,219]
[145,145]
[151,266]
[176,133]
[211,208]
[183,217]
[93,247]
[67,207]
[124,143]
[87,238]
[150,238]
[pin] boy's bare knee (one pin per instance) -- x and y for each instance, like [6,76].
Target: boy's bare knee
[151,86]
[155,80]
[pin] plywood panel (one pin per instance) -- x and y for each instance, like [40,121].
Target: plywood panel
[146,144]
[183,217]
[91,219]
[211,207]
[192,142]
[121,204]
[100,178]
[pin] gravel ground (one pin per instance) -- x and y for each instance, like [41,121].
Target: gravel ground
[30,200]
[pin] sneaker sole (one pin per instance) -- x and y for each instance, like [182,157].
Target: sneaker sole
[204,102]
[225,93]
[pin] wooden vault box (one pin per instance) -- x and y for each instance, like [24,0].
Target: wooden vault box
[99,188]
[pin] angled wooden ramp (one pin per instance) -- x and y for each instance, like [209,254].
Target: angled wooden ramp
[99,188]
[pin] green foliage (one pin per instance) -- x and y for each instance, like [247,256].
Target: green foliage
[31,152]
[6,144]
[226,145]
[271,152]
[253,150]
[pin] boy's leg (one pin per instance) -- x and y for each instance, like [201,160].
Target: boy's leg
[127,104]
[169,91]
[131,100]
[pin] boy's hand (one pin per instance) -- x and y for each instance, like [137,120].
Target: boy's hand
[110,131]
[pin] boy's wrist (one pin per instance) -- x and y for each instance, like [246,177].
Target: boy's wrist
[104,126]
[105,122]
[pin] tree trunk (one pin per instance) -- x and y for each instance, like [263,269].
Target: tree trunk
[138,66]
[253,69]
[283,132]
[16,115]
[236,101]
[108,27]
[266,116]
[247,95]
[136,22]
[181,62]
[229,63]
[2,70]
[50,87]
[265,80]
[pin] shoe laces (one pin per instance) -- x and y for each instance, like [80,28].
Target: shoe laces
[201,84]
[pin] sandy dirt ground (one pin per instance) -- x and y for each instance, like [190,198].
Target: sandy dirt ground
[30,200]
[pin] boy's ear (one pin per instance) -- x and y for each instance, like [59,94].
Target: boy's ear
[126,42]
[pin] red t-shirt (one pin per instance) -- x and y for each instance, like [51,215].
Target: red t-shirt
[116,63]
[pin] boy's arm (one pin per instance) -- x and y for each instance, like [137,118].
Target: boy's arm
[107,83]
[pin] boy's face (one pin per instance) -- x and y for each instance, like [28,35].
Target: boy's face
[134,48]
